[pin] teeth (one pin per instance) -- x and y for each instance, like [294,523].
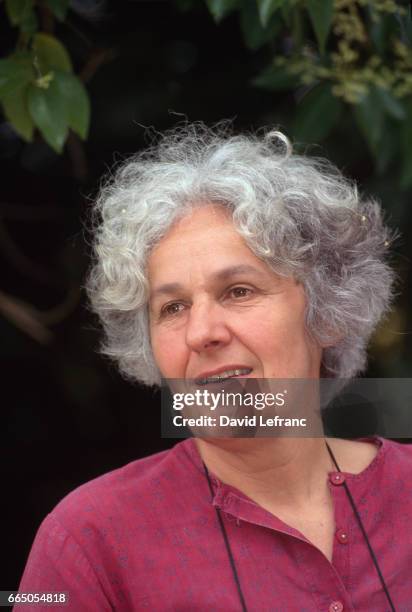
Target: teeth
[224,375]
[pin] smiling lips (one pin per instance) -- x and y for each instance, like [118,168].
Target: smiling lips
[222,374]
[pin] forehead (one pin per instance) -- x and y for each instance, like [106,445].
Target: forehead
[201,220]
[206,230]
[202,243]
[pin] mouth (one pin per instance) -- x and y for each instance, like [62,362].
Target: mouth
[222,375]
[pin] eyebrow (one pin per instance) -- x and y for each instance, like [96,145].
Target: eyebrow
[222,275]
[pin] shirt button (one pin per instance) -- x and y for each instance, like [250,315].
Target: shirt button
[342,536]
[336,606]
[337,478]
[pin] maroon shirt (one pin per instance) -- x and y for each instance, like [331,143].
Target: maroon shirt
[146,537]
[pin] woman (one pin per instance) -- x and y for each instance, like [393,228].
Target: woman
[221,256]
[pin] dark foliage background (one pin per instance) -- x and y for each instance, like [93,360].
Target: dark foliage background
[67,414]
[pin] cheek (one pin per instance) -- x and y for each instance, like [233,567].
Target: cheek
[283,344]
[168,353]
[280,332]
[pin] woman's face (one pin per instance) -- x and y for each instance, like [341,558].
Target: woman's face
[215,307]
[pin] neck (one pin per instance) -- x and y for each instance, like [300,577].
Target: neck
[286,472]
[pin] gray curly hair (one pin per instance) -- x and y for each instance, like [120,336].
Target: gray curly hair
[298,214]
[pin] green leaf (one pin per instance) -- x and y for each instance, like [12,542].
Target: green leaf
[276,78]
[383,28]
[321,14]
[391,136]
[59,8]
[393,106]
[18,10]
[77,102]
[185,5]
[267,8]
[49,112]
[406,26]
[50,54]
[369,114]
[63,104]
[406,143]
[29,24]
[377,34]
[16,111]
[288,11]
[221,8]
[254,34]
[21,13]
[317,114]
[15,72]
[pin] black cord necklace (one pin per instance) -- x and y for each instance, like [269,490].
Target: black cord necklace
[358,518]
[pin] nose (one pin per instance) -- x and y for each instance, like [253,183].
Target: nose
[207,328]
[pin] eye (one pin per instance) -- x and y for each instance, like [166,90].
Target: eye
[240,292]
[171,309]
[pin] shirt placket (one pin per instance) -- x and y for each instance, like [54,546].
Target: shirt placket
[343,527]
[324,582]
